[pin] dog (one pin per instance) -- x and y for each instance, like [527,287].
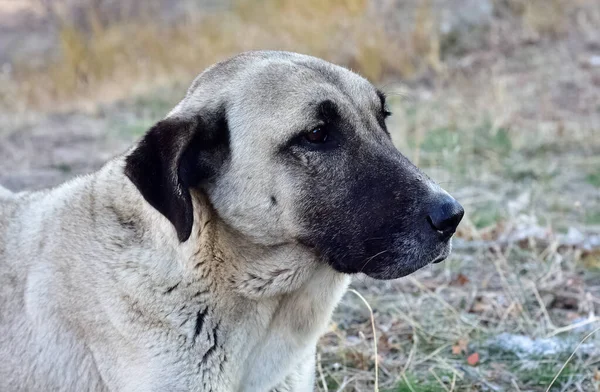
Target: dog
[210,255]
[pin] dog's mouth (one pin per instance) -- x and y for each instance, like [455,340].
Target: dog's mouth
[444,253]
[389,266]
[439,259]
[402,267]
[393,262]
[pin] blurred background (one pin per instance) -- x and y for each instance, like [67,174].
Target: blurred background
[498,100]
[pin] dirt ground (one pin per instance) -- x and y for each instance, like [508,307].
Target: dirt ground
[510,128]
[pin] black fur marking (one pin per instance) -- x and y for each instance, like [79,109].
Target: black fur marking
[381,96]
[364,210]
[213,347]
[131,233]
[273,200]
[328,111]
[170,289]
[383,113]
[175,155]
[183,322]
[253,276]
[199,322]
[223,361]
[199,293]
[126,222]
[118,242]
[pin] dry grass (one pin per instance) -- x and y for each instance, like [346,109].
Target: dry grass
[542,17]
[510,129]
[102,59]
[510,277]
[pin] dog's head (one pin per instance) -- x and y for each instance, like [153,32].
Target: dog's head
[292,149]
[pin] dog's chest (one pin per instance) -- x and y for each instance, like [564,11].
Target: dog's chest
[264,344]
[229,343]
[251,352]
[285,333]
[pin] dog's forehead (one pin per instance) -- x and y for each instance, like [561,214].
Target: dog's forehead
[277,100]
[287,93]
[305,79]
[273,95]
[278,79]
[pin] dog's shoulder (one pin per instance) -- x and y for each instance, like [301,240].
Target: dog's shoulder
[49,246]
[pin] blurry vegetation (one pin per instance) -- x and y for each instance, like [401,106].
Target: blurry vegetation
[116,58]
[482,108]
[113,57]
[545,17]
[594,178]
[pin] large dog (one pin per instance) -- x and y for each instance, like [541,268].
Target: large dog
[210,256]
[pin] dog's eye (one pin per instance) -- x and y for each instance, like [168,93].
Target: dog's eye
[317,135]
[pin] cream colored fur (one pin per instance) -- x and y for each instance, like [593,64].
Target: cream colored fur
[78,315]
[99,291]
[98,294]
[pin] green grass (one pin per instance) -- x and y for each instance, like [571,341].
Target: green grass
[155,105]
[136,128]
[486,215]
[594,179]
[441,139]
[592,218]
[63,167]
[480,140]
[462,151]
[541,374]
[143,112]
[412,383]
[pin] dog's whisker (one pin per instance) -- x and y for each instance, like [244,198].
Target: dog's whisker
[371,259]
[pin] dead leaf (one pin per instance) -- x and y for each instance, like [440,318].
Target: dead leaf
[460,346]
[480,305]
[473,359]
[461,280]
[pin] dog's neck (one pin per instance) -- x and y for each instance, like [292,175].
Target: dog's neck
[216,295]
[214,252]
[249,269]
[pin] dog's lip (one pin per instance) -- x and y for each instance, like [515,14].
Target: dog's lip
[439,259]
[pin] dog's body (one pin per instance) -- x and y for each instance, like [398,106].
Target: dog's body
[98,310]
[205,259]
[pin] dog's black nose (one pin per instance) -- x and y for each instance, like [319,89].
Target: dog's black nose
[445,215]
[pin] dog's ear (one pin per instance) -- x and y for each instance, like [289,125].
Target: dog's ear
[175,155]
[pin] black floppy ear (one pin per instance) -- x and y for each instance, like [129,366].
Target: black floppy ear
[175,155]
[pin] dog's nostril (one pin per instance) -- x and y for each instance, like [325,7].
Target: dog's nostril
[446,215]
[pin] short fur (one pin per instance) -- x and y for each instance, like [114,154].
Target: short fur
[210,256]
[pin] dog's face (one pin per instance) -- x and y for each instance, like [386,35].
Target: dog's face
[292,149]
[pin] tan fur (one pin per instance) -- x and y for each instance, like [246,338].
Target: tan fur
[78,315]
[85,305]
[98,293]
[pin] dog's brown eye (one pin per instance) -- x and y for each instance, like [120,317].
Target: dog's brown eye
[317,135]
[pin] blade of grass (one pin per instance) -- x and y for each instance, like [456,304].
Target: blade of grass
[376,386]
[571,357]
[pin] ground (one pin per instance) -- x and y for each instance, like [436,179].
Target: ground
[511,128]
